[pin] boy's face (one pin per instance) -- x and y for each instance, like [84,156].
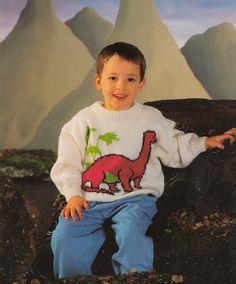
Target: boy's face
[119,82]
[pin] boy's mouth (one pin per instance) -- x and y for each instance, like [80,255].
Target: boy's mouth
[119,96]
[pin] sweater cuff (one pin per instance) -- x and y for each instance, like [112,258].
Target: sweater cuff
[70,192]
[198,145]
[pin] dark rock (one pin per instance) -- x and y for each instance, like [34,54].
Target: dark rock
[201,116]
[27,197]
[19,227]
[135,278]
[194,229]
[194,232]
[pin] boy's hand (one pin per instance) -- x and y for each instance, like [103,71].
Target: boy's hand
[218,141]
[74,205]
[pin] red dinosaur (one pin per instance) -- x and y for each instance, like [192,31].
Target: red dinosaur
[120,167]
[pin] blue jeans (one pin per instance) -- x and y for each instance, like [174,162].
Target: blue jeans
[76,244]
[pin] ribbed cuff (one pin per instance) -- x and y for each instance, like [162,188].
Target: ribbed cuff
[198,145]
[70,192]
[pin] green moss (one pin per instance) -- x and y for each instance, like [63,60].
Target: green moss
[27,162]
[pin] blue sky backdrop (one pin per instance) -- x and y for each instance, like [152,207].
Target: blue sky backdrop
[184,18]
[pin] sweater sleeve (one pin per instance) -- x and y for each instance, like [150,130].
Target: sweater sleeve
[66,172]
[175,148]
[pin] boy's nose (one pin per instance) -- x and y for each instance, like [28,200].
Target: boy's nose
[120,85]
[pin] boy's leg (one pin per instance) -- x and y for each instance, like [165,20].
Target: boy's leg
[130,226]
[76,244]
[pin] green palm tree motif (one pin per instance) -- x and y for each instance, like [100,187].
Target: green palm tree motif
[93,151]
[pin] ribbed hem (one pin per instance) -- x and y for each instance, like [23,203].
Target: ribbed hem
[102,197]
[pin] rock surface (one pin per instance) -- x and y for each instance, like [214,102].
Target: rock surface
[194,229]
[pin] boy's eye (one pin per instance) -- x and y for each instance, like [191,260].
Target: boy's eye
[112,78]
[131,80]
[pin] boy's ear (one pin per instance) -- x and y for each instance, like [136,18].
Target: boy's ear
[97,81]
[141,85]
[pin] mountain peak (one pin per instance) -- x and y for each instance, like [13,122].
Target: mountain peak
[91,28]
[211,56]
[37,6]
[88,11]
[222,27]
[37,9]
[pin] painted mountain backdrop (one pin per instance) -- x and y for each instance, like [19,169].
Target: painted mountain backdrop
[47,66]
[40,63]
[212,57]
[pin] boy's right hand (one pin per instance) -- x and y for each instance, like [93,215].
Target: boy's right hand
[74,207]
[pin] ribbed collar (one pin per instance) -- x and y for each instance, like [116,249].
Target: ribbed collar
[116,114]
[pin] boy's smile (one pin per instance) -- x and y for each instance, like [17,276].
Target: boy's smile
[120,83]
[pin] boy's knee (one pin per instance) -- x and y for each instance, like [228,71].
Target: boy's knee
[61,234]
[126,230]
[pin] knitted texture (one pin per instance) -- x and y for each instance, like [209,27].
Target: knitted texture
[106,155]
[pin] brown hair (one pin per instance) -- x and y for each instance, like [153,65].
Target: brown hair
[126,51]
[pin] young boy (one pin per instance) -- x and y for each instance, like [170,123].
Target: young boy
[108,167]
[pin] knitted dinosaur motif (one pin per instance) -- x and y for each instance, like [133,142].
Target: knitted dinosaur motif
[112,169]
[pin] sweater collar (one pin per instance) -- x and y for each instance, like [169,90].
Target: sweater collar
[116,114]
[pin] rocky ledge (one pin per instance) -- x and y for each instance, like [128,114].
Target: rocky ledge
[194,230]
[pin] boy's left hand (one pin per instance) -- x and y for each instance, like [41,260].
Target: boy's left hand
[218,141]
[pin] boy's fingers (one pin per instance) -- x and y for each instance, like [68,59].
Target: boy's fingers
[229,137]
[232,139]
[86,205]
[62,213]
[232,133]
[220,146]
[72,211]
[73,214]
[67,213]
[79,211]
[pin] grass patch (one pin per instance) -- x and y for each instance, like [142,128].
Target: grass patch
[26,162]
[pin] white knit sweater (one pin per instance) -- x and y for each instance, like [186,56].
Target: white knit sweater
[106,155]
